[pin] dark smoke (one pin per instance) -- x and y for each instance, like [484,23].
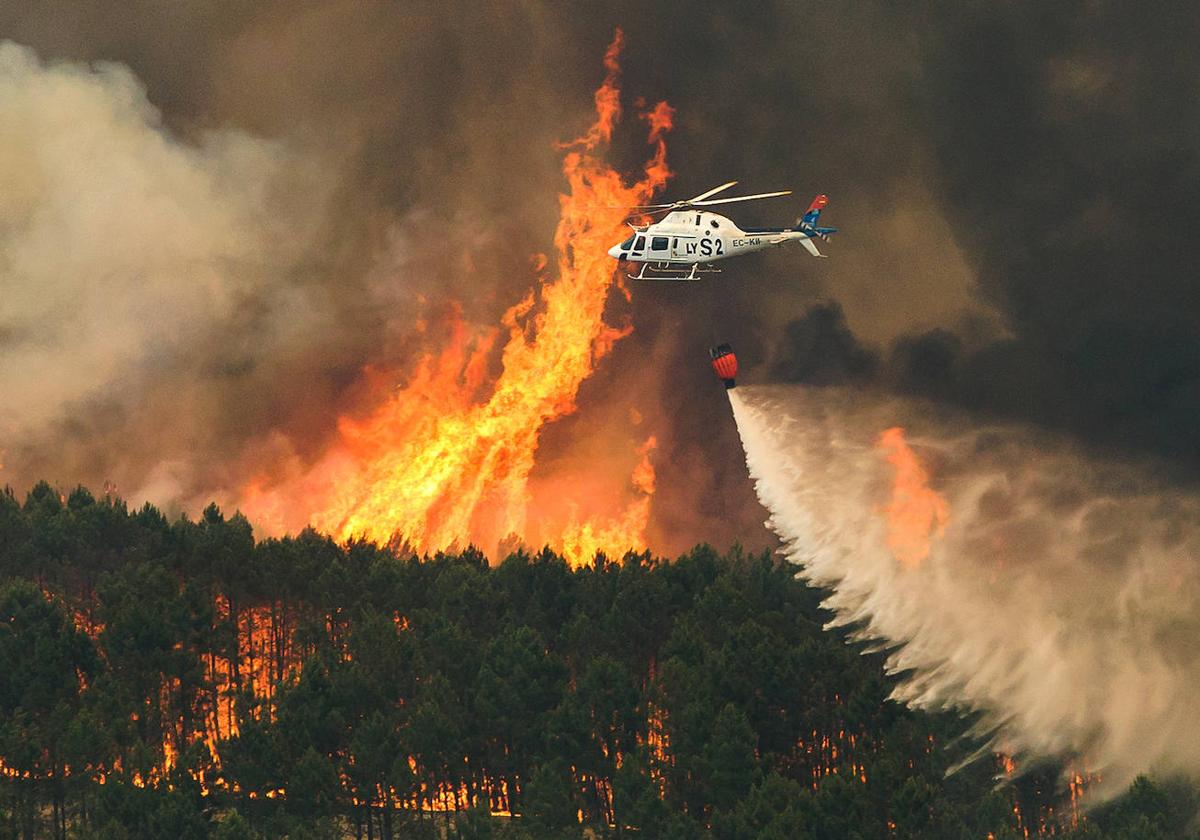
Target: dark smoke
[819,349]
[1065,137]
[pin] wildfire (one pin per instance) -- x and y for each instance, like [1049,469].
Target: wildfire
[915,513]
[581,541]
[447,458]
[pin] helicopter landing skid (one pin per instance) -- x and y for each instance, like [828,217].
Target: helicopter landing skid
[673,271]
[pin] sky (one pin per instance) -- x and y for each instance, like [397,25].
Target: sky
[215,215]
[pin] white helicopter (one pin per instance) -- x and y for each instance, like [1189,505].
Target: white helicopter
[688,240]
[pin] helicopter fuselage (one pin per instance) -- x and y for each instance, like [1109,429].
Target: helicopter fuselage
[689,239]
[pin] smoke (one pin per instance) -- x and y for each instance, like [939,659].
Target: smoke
[430,134]
[184,305]
[1064,185]
[123,253]
[819,349]
[1061,599]
[1010,181]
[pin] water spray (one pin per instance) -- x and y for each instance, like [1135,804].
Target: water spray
[1048,590]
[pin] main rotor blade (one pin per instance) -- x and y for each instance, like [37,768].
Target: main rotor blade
[648,213]
[651,211]
[740,198]
[711,192]
[699,201]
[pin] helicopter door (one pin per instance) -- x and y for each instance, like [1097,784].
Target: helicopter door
[639,246]
[683,247]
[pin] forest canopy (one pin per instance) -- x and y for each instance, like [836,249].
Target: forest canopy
[181,678]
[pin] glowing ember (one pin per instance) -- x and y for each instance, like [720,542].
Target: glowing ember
[439,464]
[915,512]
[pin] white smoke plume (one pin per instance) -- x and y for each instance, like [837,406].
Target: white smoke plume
[1061,601]
[143,278]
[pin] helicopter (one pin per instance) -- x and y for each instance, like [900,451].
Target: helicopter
[686,242]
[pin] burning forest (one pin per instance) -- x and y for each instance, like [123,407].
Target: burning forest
[346,688]
[405,480]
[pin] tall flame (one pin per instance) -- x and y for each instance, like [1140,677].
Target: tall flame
[436,463]
[915,512]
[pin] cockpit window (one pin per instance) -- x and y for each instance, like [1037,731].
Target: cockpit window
[641,241]
[625,245]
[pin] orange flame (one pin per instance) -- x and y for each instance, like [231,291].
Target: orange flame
[438,463]
[581,541]
[915,512]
